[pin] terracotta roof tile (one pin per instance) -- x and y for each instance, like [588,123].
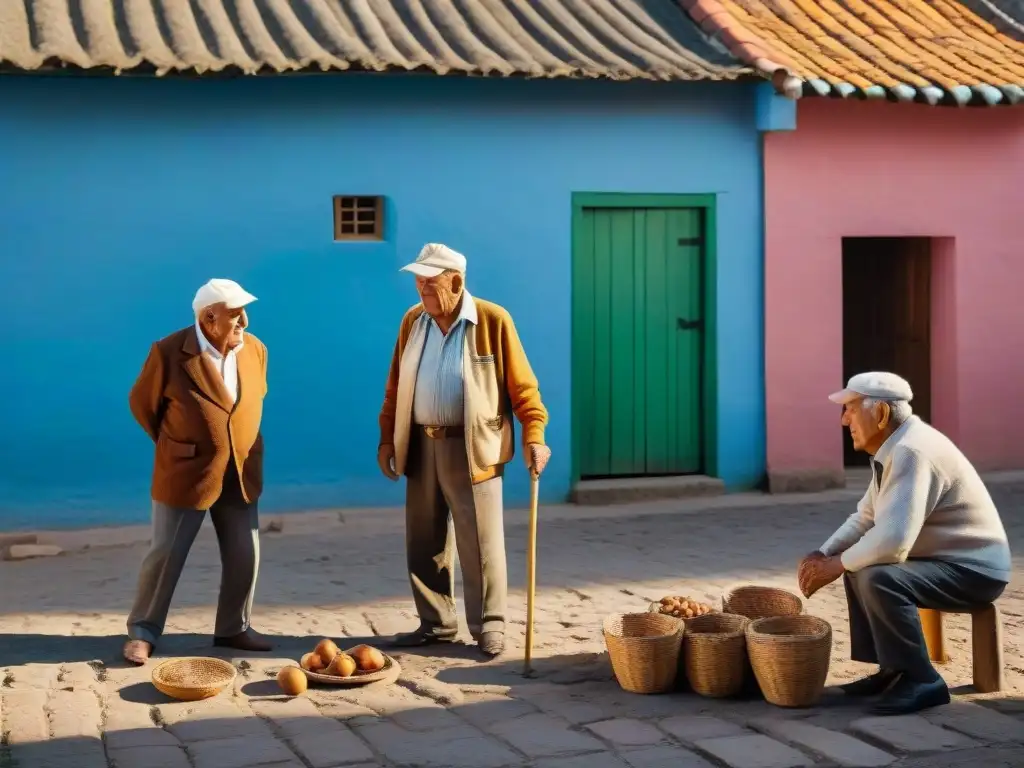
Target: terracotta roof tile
[938,51]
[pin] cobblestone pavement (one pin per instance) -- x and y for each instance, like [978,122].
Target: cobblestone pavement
[66,702]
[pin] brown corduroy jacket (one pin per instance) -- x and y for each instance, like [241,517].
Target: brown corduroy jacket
[182,403]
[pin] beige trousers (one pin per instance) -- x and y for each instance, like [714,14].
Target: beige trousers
[438,489]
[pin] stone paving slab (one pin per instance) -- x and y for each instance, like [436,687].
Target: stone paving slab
[215,728]
[141,738]
[74,713]
[149,757]
[624,732]
[25,720]
[330,748]
[664,757]
[65,753]
[977,721]
[80,674]
[484,710]
[575,711]
[238,752]
[339,708]
[124,716]
[838,748]
[989,757]
[754,751]
[33,676]
[692,729]
[593,760]
[427,719]
[451,748]
[544,736]
[910,733]
[220,708]
[292,716]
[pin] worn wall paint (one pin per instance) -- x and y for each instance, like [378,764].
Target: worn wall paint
[121,196]
[858,169]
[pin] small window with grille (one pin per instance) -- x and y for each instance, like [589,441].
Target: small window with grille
[358,217]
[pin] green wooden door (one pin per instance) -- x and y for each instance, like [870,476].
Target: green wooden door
[639,340]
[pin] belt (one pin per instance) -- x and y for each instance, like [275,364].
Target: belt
[440,433]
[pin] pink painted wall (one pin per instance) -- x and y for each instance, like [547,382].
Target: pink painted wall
[876,169]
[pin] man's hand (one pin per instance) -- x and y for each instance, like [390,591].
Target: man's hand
[811,557]
[386,461]
[537,457]
[817,571]
[814,556]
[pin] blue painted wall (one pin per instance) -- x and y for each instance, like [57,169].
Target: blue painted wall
[119,197]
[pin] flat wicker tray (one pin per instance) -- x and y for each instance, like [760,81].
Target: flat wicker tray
[390,671]
[193,678]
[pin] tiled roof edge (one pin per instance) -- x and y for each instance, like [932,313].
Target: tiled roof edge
[961,95]
[742,43]
[600,39]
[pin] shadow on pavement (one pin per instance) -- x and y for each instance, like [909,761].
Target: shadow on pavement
[287,731]
[18,649]
[145,729]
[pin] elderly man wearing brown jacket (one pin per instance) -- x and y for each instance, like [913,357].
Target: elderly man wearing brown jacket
[458,375]
[200,398]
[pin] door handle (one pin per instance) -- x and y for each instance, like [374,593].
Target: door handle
[689,325]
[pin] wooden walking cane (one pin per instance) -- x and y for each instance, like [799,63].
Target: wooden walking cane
[531,569]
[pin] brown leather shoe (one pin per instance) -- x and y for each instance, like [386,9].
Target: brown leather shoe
[137,652]
[249,640]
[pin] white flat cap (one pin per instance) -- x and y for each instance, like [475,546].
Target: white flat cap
[876,384]
[435,259]
[220,291]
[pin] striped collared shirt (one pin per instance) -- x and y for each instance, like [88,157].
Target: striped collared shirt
[438,401]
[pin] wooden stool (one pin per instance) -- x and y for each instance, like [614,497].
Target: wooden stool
[986,642]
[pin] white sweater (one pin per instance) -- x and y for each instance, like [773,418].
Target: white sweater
[930,504]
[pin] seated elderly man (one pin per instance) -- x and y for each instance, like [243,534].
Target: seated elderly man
[926,534]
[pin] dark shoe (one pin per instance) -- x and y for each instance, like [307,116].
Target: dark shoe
[419,638]
[908,696]
[137,652]
[875,685]
[249,640]
[492,643]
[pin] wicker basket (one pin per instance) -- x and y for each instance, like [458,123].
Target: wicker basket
[715,654]
[644,650]
[756,602]
[193,678]
[790,657]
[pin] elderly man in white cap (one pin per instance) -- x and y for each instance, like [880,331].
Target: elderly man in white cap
[926,534]
[457,376]
[199,397]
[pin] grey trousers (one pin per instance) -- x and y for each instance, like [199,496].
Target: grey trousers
[885,627]
[438,488]
[174,530]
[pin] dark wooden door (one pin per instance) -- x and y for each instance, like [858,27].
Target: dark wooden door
[639,283]
[887,316]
